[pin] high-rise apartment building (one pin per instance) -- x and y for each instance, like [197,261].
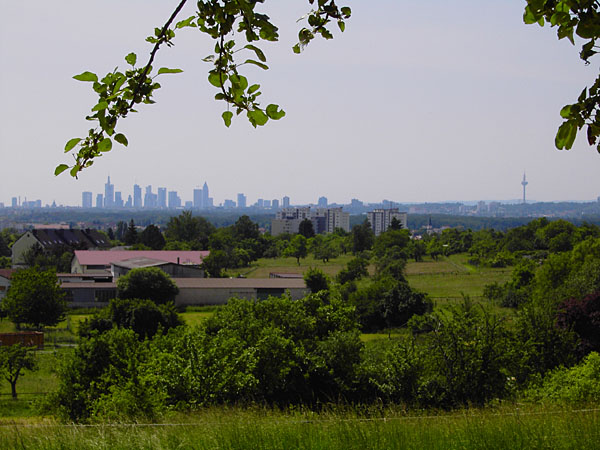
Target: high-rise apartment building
[288,220]
[241,200]
[381,219]
[275,203]
[137,196]
[322,203]
[86,199]
[162,197]
[285,202]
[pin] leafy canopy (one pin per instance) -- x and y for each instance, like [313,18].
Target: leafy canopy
[120,91]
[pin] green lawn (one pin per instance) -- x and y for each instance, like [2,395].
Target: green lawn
[264,266]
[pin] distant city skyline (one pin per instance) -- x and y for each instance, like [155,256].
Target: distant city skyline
[445,107]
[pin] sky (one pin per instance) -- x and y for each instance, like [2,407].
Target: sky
[415,102]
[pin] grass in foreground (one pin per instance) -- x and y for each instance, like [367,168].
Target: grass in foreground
[222,428]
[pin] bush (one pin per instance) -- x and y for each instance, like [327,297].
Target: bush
[576,385]
[582,317]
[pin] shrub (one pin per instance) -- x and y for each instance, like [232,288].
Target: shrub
[148,283]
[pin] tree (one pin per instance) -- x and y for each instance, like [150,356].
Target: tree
[362,237]
[297,248]
[119,92]
[4,250]
[131,235]
[152,237]
[354,270]
[147,283]
[14,359]
[244,228]
[395,224]
[195,231]
[35,298]
[316,280]
[581,18]
[306,229]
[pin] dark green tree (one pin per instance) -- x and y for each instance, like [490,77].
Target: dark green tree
[306,229]
[14,359]
[354,270]
[131,235]
[395,224]
[152,237]
[362,237]
[195,231]
[147,283]
[244,228]
[316,280]
[4,250]
[35,298]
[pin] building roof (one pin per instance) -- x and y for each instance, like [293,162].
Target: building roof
[105,258]
[7,273]
[72,236]
[285,275]
[140,261]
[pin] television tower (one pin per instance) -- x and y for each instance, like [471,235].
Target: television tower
[524,183]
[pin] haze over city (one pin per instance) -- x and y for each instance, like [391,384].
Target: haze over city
[415,102]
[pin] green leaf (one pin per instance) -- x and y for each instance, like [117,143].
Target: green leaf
[227,115]
[60,169]
[215,79]
[257,117]
[71,144]
[131,59]
[256,63]
[341,25]
[167,70]
[259,53]
[346,11]
[121,139]
[296,48]
[105,145]
[86,76]
[100,106]
[565,112]
[186,22]
[566,135]
[75,170]
[253,88]
[274,112]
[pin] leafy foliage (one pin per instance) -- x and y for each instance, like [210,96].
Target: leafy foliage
[316,280]
[120,91]
[35,298]
[581,19]
[147,283]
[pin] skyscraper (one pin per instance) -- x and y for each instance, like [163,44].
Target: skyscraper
[86,199]
[197,198]
[118,200]
[109,194]
[205,201]
[150,198]
[162,197]
[286,202]
[99,201]
[241,200]
[174,200]
[137,196]
[322,203]
[275,204]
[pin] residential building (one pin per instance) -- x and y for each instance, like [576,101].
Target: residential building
[285,202]
[322,203]
[288,220]
[381,219]
[275,204]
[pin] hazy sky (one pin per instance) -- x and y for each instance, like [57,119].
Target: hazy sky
[417,101]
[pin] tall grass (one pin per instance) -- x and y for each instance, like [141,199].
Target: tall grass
[258,429]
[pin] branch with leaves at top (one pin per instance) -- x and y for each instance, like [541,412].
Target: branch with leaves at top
[579,18]
[119,92]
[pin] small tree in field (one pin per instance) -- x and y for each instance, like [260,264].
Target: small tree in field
[35,298]
[13,360]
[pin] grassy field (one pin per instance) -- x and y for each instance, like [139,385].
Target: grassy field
[264,266]
[222,428]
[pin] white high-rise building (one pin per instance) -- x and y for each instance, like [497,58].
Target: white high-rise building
[381,219]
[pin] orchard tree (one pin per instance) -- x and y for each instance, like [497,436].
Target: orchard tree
[14,359]
[119,92]
[35,298]
[306,229]
[297,248]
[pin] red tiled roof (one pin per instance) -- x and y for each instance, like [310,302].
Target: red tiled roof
[7,273]
[105,257]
